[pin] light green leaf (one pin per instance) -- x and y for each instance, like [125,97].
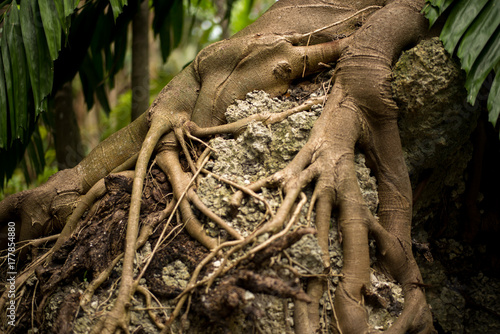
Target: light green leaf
[69,7]
[19,73]
[62,16]
[478,34]
[30,44]
[460,18]
[52,26]
[489,58]
[117,6]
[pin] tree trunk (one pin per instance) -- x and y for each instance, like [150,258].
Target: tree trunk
[68,142]
[140,61]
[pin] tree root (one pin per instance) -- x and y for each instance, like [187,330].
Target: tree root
[83,204]
[57,198]
[115,318]
[239,126]
[183,103]
[266,249]
[147,229]
[355,115]
[147,295]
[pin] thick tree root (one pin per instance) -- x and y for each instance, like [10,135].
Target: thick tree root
[56,198]
[363,115]
[290,62]
[117,316]
[360,113]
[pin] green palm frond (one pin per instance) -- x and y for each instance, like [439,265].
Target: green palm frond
[33,38]
[472,32]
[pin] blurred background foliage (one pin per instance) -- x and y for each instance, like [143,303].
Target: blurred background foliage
[96,60]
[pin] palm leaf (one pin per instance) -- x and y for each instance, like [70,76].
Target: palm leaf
[472,30]
[117,6]
[483,65]
[30,41]
[52,26]
[4,117]
[461,16]
[168,27]
[33,35]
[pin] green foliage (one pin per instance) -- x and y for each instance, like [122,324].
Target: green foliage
[104,37]
[34,35]
[246,11]
[45,43]
[29,169]
[31,38]
[472,31]
[168,27]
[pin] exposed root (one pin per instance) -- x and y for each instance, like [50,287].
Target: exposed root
[83,204]
[168,160]
[192,284]
[115,318]
[186,102]
[96,282]
[242,190]
[35,243]
[265,250]
[368,8]
[56,199]
[22,278]
[147,295]
[355,115]
[239,126]
[147,229]
[212,216]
